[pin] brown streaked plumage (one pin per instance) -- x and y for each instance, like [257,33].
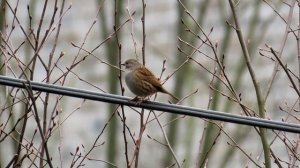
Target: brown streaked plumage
[141,80]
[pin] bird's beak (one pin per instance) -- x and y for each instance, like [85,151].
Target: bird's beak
[123,64]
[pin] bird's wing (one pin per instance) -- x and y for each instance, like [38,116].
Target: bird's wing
[147,76]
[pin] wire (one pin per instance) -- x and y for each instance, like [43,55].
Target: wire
[151,105]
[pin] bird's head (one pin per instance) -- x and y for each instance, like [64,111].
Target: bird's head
[131,64]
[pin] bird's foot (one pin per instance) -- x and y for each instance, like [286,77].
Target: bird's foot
[138,100]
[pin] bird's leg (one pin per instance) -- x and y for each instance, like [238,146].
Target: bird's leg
[136,98]
[139,99]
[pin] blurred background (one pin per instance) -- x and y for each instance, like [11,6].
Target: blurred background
[192,45]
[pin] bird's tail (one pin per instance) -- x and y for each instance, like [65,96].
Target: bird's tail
[174,97]
[170,94]
[163,90]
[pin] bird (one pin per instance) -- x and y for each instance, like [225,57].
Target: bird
[141,81]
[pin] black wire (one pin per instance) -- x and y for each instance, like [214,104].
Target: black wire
[172,108]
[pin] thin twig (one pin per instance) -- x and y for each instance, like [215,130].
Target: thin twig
[286,71]
[275,69]
[144,31]
[167,141]
[121,83]
[259,97]
[44,142]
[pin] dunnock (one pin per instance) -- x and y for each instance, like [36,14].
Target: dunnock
[141,81]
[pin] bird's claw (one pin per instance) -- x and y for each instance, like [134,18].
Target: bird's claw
[138,100]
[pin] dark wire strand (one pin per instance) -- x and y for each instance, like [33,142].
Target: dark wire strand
[151,105]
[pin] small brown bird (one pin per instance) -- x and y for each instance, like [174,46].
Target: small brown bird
[141,81]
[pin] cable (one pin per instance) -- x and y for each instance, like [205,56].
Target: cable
[151,105]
